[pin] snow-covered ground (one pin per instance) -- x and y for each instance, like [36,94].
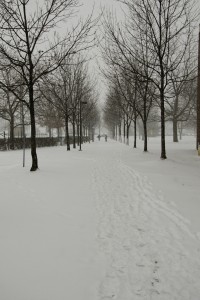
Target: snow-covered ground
[110,222]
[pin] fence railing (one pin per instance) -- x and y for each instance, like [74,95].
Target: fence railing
[40,142]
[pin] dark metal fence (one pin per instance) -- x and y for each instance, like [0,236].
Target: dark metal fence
[40,141]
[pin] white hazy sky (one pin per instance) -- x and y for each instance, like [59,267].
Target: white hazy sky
[88,4]
[85,10]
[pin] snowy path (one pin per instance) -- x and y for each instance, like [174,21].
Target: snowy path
[150,251]
[87,226]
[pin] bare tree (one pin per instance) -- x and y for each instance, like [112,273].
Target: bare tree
[126,102]
[113,112]
[8,109]
[9,103]
[180,107]
[48,115]
[164,27]
[25,31]
[181,90]
[64,89]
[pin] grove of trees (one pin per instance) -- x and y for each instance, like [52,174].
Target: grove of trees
[33,54]
[151,60]
[150,69]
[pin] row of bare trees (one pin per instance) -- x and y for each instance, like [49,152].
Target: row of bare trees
[59,96]
[151,65]
[38,66]
[63,94]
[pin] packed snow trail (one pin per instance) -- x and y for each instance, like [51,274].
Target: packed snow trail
[151,254]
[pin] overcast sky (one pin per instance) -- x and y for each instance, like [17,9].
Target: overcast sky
[85,10]
[88,4]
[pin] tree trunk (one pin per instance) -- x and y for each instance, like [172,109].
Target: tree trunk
[113,131]
[12,145]
[198,98]
[124,131]
[33,131]
[135,132]
[74,132]
[162,100]
[127,133]
[145,135]
[175,122]
[145,125]
[135,115]
[120,133]
[175,130]
[67,132]
[74,135]
[78,134]
[93,134]
[145,119]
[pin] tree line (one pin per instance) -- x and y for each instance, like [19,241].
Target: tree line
[151,59]
[44,76]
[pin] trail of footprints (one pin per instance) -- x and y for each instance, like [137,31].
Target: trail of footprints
[142,238]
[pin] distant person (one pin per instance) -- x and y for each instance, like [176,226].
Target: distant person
[106,137]
[99,137]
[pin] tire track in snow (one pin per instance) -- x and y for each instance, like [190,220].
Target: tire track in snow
[150,252]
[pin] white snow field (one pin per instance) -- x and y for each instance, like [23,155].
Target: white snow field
[110,222]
